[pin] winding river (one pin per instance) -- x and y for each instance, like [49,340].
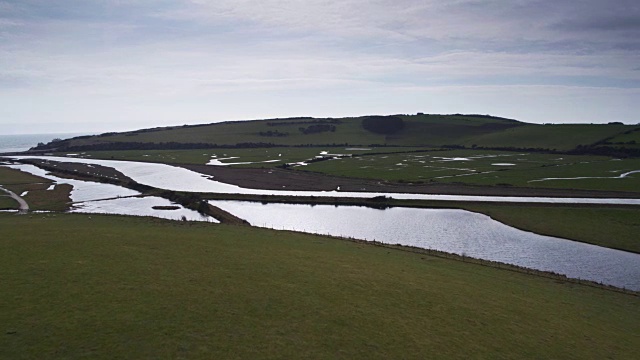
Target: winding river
[455,231]
[169,177]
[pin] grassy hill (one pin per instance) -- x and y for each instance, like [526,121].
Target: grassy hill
[421,130]
[104,287]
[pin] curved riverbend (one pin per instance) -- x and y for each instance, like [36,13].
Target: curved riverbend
[449,230]
[169,177]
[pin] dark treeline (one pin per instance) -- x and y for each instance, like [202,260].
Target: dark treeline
[383,124]
[620,152]
[172,146]
[273,133]
[314,129]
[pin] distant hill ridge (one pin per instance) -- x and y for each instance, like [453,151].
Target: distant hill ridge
[428,130]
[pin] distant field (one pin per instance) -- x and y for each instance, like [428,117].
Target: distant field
[122,287]
[257,155]
[629,139]
[485,167]
[421,165]
[559,137]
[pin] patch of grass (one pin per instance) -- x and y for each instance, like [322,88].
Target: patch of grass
[616,228]
[478,167]
[121,287]
[57,199]
[556,136]
[257,155]
[9,176]
[629,139]
[7,203]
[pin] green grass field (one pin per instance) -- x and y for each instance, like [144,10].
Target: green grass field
[630,139]
[256,155]
[121,287]
[7,203]
[10,177]
[485,167]
[559,137]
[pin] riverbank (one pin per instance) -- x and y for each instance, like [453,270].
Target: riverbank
[612,226]
[562,222]
[156,288]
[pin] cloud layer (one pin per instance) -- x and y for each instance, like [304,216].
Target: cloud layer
[111,65]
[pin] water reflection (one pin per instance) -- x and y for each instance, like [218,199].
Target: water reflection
[141,207]
[454,231]
[168,177]
[82,190]
[93,197]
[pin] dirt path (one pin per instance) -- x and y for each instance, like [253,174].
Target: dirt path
[23,206]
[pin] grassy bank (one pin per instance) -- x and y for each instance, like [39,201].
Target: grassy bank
[7,203]
[144,288]
[611,227]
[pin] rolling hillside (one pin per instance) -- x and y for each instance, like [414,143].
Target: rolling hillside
[415,130]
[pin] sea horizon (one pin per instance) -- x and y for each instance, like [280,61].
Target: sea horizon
[23,142]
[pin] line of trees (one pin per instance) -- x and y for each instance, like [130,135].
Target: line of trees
[383,124]
[314,129]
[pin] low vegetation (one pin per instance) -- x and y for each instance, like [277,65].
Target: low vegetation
[124,287]
[7,203]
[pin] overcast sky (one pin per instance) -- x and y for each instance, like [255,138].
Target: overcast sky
[112,65]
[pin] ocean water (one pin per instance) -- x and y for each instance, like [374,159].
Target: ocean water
[13,143]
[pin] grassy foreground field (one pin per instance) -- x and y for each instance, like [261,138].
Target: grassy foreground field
[123,287]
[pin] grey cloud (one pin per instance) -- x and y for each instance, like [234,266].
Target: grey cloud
[614,23]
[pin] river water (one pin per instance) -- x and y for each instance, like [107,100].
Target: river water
[168,177]
[453,231]
[93,197]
